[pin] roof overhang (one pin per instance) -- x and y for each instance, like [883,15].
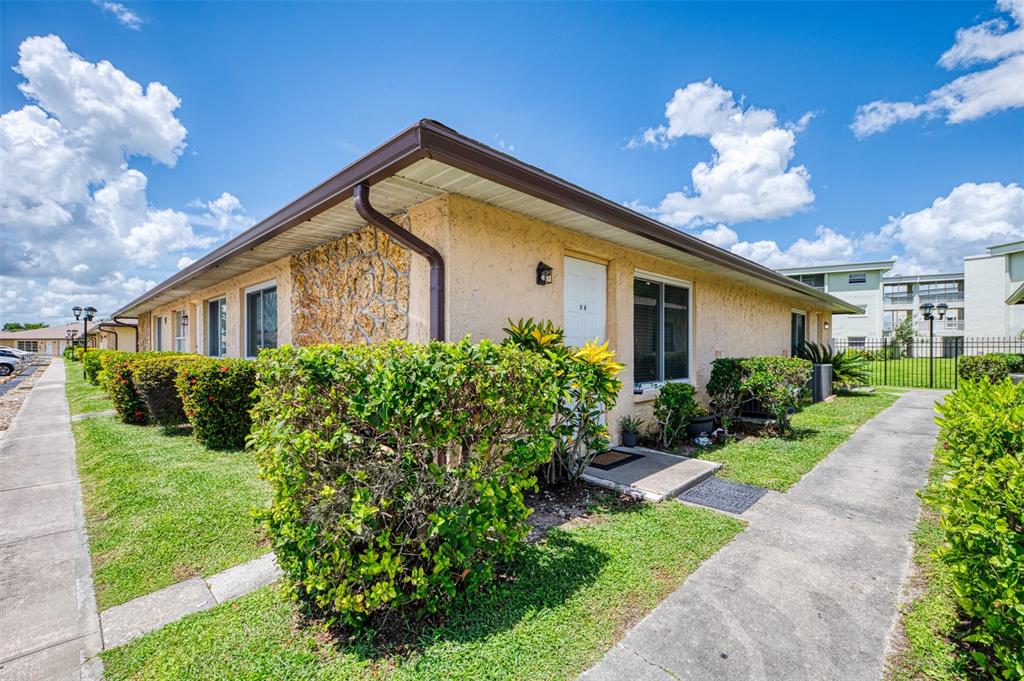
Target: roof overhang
[429,159]
[1017,297]
[879,265]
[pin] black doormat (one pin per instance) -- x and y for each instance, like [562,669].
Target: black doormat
[734,497]
[613,459]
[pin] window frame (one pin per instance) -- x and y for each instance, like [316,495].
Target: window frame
[222,329]
[257,288]
[29,345]
[664,280]
[862,278]
[180,342]
[158,333]
[795,347]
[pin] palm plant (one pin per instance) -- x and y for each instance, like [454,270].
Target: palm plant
[849,368]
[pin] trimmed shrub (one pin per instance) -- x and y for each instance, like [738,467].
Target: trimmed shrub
[587,380]
[777,383]
[675,404]
[982,505]
[398,469]
[91,363]
[217,396]
[992,367]
[153,375]
[1014,362]
[117,382]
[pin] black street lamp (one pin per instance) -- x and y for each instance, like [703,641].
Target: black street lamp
[86,315]
[929,311]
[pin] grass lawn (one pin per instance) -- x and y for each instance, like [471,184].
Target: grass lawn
[160,509]
[912,372]
[83,396]
[571,599]
[926,646]
[778,463]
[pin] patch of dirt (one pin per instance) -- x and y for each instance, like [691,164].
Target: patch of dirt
[11,401]
[568,506]
[183,572]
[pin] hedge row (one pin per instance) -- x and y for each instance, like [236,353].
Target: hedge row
[982,505]
[167,388]
[777,383]
[994,366]
[398,470]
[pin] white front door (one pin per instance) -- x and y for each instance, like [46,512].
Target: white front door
[585,295]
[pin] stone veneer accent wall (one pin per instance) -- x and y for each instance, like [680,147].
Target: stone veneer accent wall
[145,331]
[352,290]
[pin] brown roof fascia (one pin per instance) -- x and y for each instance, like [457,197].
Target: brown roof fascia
[430,139]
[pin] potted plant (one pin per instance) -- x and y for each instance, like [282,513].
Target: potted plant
[701,421]
[630,428]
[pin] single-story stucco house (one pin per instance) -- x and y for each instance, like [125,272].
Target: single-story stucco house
[119,334]
[435,235]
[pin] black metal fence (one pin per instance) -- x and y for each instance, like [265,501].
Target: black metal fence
[923,362]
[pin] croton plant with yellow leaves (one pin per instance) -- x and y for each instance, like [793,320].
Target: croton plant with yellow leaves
[588,379]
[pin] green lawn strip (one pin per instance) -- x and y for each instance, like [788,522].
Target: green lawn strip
[83,396]
[569,600]
[160,509]
[913,372]
[928,622]
[778,463]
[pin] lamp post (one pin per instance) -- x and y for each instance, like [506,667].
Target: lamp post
[929,311]
[86,315]
[70,335]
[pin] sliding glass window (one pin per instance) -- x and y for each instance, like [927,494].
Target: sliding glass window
[260,320]
[217,327]
[661,332]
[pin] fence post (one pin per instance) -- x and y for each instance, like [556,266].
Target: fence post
[885,361]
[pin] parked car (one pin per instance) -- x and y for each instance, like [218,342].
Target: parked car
[25,356]
[9,365]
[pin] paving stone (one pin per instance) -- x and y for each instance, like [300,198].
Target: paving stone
[122,623]
[75,660]
[656,475]
[36,469]
[37,511]
[244,578]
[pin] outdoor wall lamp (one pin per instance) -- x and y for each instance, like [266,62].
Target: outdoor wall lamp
[184,320]
[545,275]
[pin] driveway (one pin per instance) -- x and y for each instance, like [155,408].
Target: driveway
[809,590]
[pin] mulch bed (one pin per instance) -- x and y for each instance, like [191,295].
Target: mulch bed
[572,503]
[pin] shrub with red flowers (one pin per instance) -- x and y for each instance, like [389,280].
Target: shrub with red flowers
[116,379]
[217,395]
[154,376]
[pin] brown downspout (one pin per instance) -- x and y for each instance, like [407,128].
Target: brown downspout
[118,322]
[361,198]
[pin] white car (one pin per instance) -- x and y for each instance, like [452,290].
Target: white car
[25,356]
[9,365]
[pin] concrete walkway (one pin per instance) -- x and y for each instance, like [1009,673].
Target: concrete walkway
[809,590]
[48,621]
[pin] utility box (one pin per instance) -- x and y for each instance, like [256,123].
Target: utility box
[821,382]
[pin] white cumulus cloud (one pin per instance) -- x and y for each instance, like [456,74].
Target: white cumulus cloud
[971,96]
[749,177]
[964,222]
[225,213]
[75,217]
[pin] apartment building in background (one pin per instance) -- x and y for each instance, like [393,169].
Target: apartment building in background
[985,300]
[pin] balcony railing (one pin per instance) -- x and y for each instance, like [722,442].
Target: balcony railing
[896,299]
[941,326]
[947,297]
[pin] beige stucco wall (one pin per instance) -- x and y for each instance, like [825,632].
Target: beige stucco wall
[351,290]
[491,256]
[233,289]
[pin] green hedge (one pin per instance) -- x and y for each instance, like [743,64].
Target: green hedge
[777,383]
[398,470]
[992,367]
[153,375]
[116,379]
[217,396]
[982,505]
[91,361]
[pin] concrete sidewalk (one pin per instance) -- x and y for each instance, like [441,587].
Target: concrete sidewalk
[809,590]
[48,620]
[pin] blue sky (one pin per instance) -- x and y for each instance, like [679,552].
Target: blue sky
[276,96]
